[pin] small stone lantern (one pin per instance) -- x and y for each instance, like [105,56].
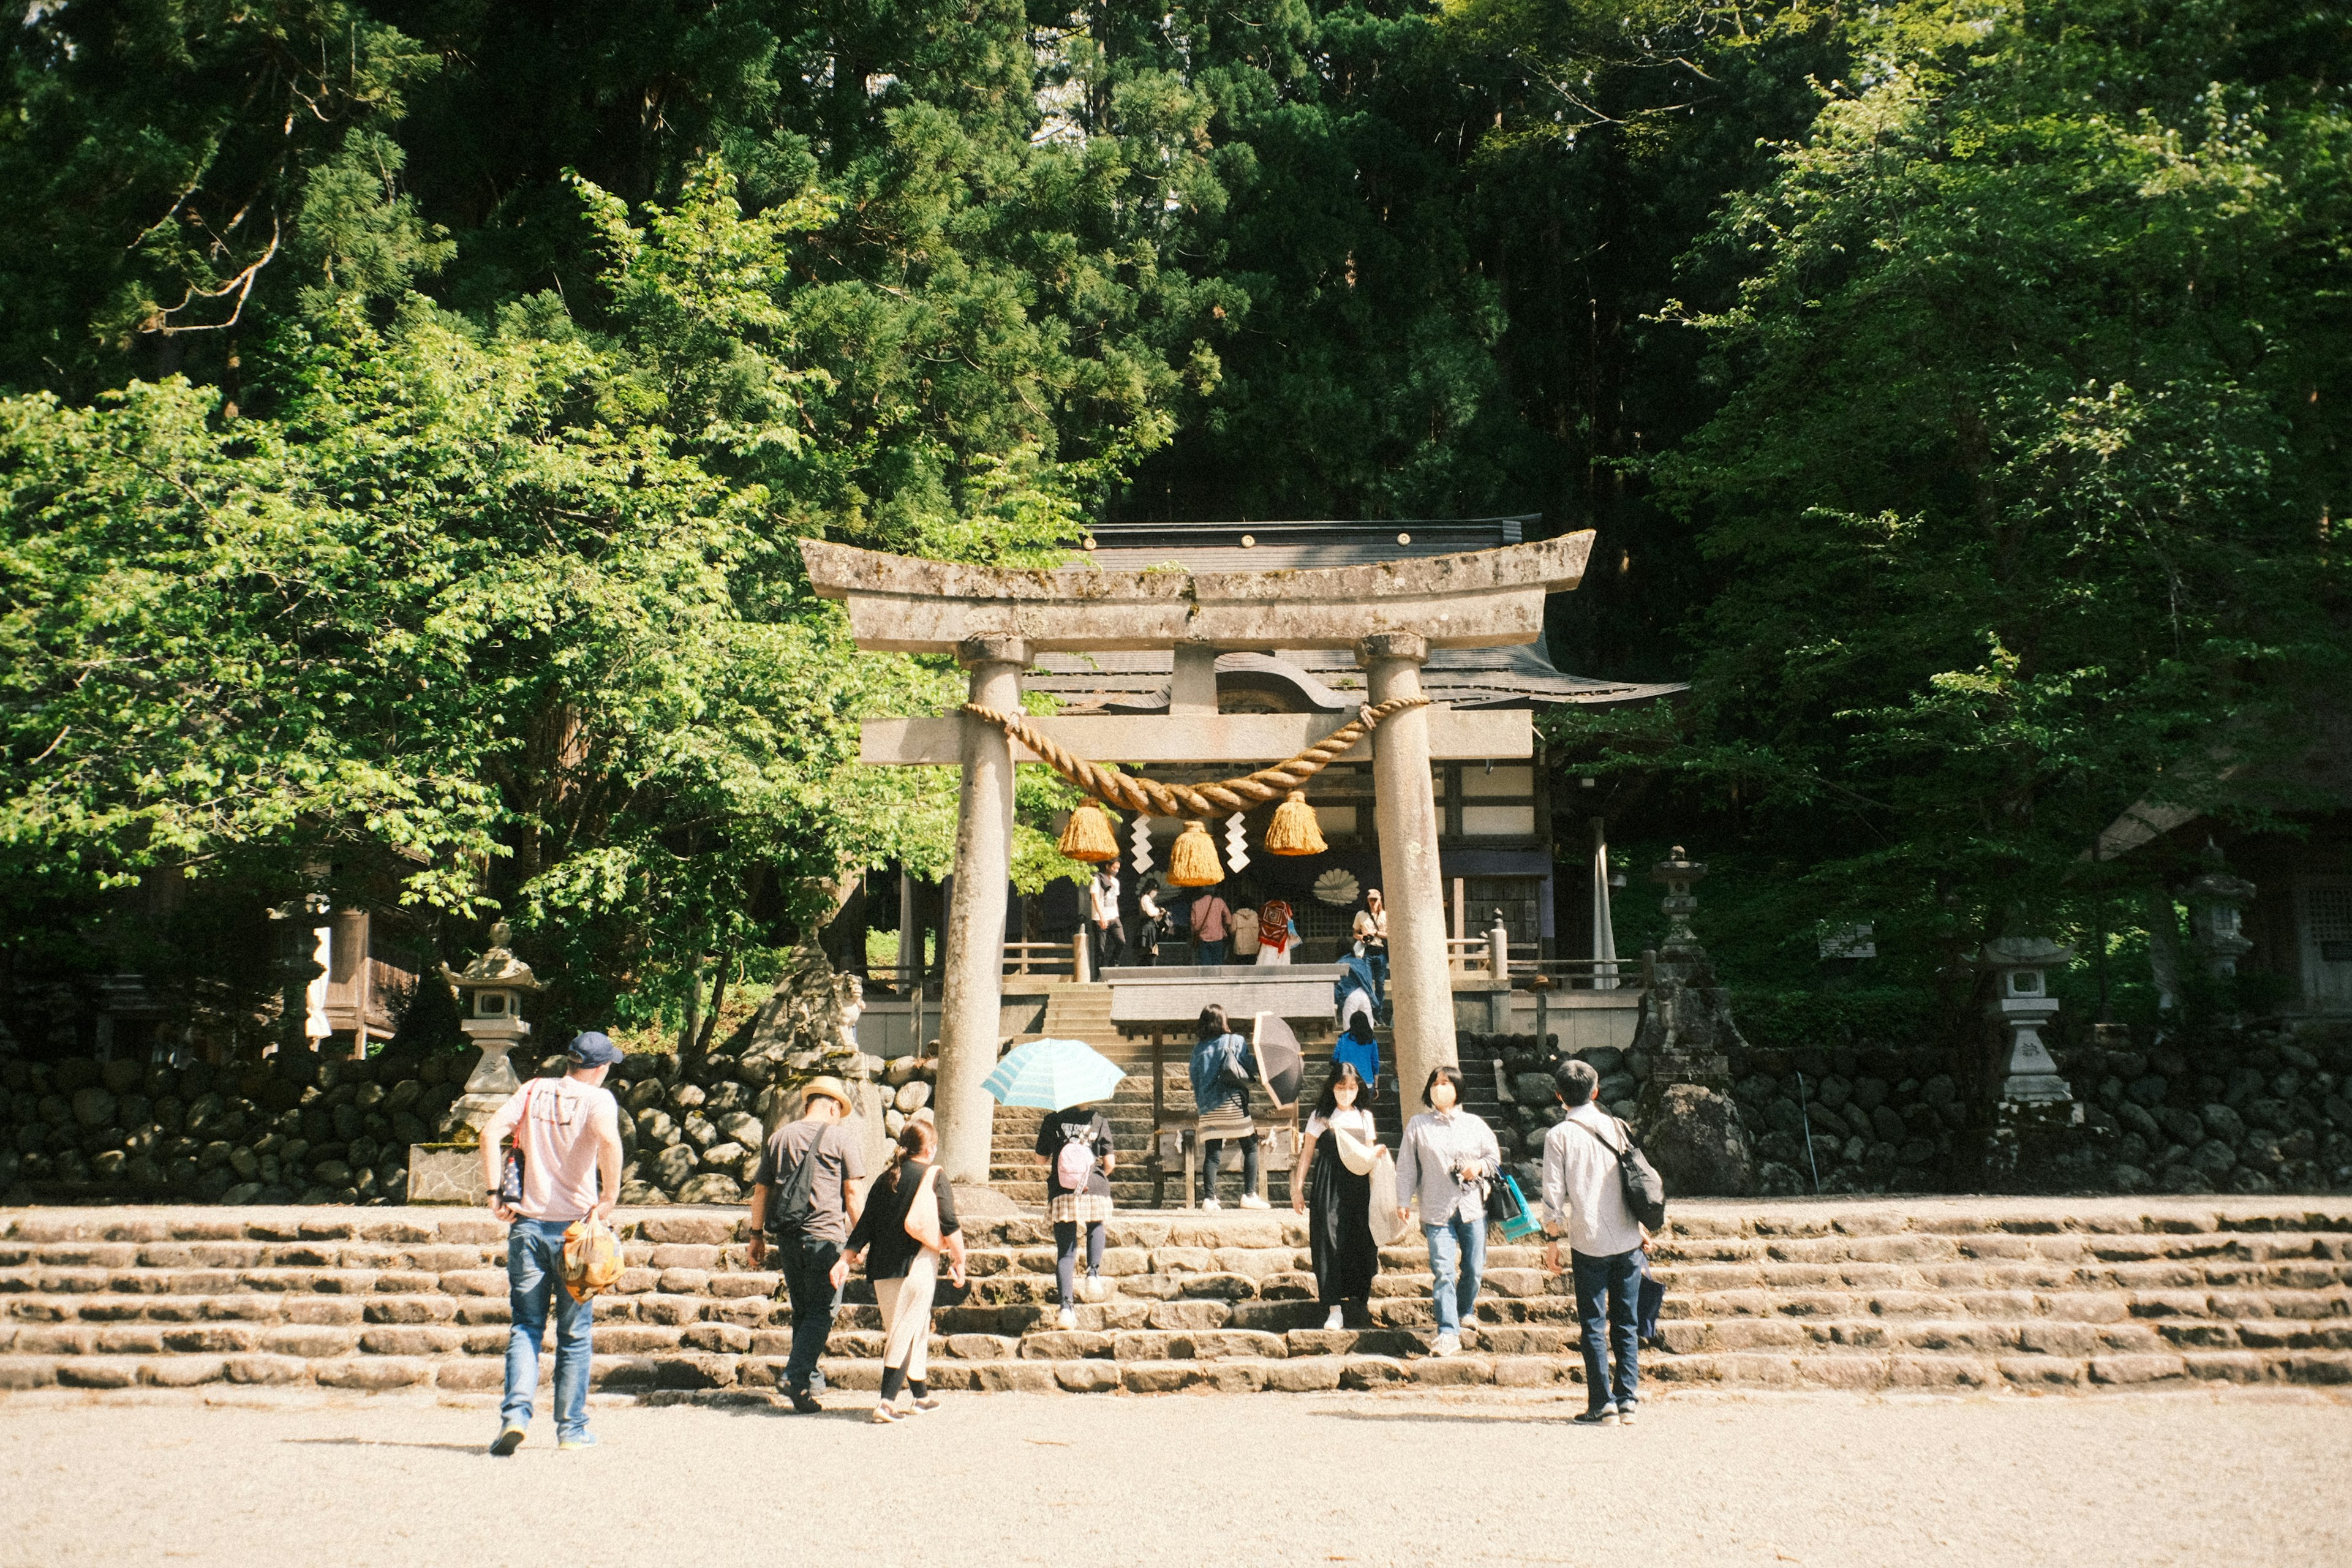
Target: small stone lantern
[1678,872]
[492,988]
[2217,903]
[2021,1005]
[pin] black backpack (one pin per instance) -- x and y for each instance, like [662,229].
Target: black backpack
[795,1199]
[1645,1190]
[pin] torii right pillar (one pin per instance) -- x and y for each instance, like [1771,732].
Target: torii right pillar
[1404,810]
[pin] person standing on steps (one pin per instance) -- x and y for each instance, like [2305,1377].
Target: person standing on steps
[1222,1070]
[1359,1048]
[1340,1148]
[567,1132]
[1211,920]
[1151,924]
[1102,909]
[1447,1159]
[1371,933]
[1278,933]
[802,1198]
[904,1268]
[1075,1147]
[1584,1199]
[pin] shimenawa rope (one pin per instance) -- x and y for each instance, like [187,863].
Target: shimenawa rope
[1149,797]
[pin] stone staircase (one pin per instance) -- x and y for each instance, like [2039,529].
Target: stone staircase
[1074,1012]
[1953,1294]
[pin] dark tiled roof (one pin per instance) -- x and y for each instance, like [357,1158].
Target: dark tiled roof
[1326,678]
[1291,546]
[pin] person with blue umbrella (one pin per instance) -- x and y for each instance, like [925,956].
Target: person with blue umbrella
[1068,1079]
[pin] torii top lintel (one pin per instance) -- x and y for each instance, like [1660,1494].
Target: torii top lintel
[1484,598]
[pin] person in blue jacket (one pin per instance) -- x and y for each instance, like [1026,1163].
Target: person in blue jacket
[1223,1068]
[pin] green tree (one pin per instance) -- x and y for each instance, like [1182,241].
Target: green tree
[2022,498]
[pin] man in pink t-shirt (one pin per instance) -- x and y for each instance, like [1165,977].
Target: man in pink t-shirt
[568,1132]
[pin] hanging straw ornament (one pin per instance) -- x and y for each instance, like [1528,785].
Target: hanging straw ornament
[1090,834]
[1193,862]
[1294,830]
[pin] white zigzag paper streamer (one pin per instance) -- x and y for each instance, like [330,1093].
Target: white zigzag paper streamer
[1236,857]
[1142,837]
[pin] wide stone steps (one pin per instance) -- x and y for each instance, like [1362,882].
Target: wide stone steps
[1948,1293]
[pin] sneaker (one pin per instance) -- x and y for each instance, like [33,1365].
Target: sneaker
[884,1415]
[1252,1201]
[1210,1203]
[1604,1416]
[1446,1344]
[1336,1321]
[1092,1289]
[578,1440]
[508,1439]
[1067,1318]
[1625,1414]
[927,1402]
[805,1403]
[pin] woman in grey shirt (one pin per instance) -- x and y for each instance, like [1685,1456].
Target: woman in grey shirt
[1446,1160]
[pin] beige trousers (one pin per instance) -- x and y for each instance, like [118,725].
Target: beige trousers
[907,1315]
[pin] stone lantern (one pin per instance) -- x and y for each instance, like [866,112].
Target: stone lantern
[2216,902]
[2021,1005]
[490,990]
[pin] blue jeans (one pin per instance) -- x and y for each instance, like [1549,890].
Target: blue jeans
[535,1278]
[1606,1299]
[1457,1260]
[1213,952]
[806,1263]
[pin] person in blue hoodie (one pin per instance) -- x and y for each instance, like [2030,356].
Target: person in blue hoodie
[1223,1068]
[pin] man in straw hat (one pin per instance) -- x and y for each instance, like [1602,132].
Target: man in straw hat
[802,1198]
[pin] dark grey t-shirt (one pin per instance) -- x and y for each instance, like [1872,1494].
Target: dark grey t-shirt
[835,1149]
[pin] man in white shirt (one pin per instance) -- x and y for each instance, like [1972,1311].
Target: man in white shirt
[1584,1198]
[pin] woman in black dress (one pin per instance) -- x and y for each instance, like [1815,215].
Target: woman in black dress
[1337,1197]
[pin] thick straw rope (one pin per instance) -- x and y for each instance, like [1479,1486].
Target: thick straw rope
[1149,797]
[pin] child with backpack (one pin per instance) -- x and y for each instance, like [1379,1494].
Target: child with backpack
[1074,1146]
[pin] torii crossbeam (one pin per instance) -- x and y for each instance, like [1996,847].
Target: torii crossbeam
[996,621]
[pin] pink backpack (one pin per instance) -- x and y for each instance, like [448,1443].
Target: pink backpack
[1075,1163]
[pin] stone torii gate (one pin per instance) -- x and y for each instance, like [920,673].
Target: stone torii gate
[996,621]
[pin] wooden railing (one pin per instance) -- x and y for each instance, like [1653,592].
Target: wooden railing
[1033,958]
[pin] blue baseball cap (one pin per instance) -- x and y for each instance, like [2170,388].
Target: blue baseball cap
[592,1050]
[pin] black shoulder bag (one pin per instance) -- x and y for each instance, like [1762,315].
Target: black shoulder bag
[1645,1190]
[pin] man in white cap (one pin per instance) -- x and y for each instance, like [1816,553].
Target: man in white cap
[802,1197]
[567,1132]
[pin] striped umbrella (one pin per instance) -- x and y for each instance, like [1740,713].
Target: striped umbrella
[1054,1075]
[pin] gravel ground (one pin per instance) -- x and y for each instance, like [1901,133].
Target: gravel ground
[2209,1478]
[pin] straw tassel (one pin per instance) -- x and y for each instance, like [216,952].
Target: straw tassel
[1294,830]
[1193,862]
[1090,834]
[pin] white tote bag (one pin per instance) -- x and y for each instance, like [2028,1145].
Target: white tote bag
[1387,1229]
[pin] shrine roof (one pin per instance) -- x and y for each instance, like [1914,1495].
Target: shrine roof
[1289,546]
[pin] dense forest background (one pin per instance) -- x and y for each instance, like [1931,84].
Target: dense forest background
[411,404]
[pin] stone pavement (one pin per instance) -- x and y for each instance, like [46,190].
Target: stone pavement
[260,1479]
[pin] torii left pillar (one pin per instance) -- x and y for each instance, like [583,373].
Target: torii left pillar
[970,1003]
